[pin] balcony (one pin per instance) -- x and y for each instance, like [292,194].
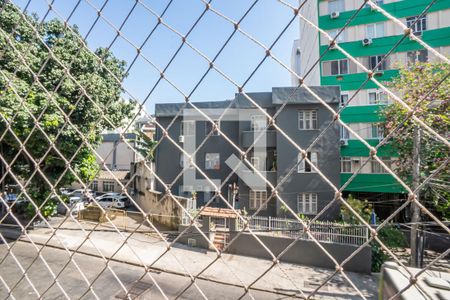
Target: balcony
[248,137]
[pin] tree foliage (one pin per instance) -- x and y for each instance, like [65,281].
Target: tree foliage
[422,86]
[145,145]
[50,96]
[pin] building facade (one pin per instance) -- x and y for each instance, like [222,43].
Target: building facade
[116,153]
[368,38]
[299,115]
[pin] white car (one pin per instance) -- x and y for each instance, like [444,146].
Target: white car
[80,193]
[113,202]
[107,195]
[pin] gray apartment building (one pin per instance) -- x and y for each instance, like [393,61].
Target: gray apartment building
[300,117]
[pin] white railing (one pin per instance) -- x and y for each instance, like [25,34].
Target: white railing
[323,231]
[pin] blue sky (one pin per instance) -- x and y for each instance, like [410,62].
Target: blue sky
[265,22]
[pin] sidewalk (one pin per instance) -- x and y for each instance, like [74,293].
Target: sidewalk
[143,248]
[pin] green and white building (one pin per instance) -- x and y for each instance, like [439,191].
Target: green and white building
[369,36]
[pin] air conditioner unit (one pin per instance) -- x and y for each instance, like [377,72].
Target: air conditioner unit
[334,15]
[366,42]
[181,139]
[343,142]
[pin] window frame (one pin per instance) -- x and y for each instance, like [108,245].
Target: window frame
[255,161]
[94,185]
[256,198]
[378,58]
[341,102]
[342,38]
[422,23]
[304,166]
[416,54]
[109,184]
[339,64]
[379,95]
[376,128]
[377,32]
[376,168]
[346,160]
[309,200]
[344,133]
[208,165]
[302,120]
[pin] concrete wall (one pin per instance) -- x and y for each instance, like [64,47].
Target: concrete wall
[303,252]
[116,153]
[164,210]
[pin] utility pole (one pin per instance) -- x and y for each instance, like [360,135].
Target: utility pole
[415,210]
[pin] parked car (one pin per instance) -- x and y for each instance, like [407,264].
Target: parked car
[82,193]
[106,195]
[114,202]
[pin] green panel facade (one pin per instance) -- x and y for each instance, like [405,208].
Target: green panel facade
[435,38]
[397,9]
[355,81]
[374,183]
[377,183]
[362,114]
[357,148]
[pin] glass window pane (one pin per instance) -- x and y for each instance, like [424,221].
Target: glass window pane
[335,67]
[344,66]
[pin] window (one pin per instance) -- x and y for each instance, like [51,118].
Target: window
[94,185]
[346,165]
[419,26]
[255,162]
[212,161]
[375,30]
[345,134]
[209,127]
[344,99]
[338,67]
[375,60]
[304,166]
[187,127]
[341,38]
[258,122]
[108,186]
[257,198]
[307,119]
[307,203]
[414,57]
[336,5]
[377,97]
[377,131]
[376,166]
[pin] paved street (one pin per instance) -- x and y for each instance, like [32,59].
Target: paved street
[223,280]
[106,286]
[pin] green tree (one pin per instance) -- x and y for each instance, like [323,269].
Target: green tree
[145,145]
[21,93]
[425,87]
[362,208]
